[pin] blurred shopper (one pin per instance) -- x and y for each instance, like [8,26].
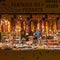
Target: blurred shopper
[38,35]
[27,34]
[23,36]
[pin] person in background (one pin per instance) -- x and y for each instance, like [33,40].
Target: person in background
[23,36]
[30,33]
[38,35]
[27,34]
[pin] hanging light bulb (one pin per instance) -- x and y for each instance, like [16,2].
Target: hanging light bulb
[47,27]
[38,25]
[24,25]
[9,26]
[32,26]
[54,26]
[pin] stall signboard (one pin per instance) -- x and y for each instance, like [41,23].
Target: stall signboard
[29,6]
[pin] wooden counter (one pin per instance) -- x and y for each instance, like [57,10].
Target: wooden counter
[29,55]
